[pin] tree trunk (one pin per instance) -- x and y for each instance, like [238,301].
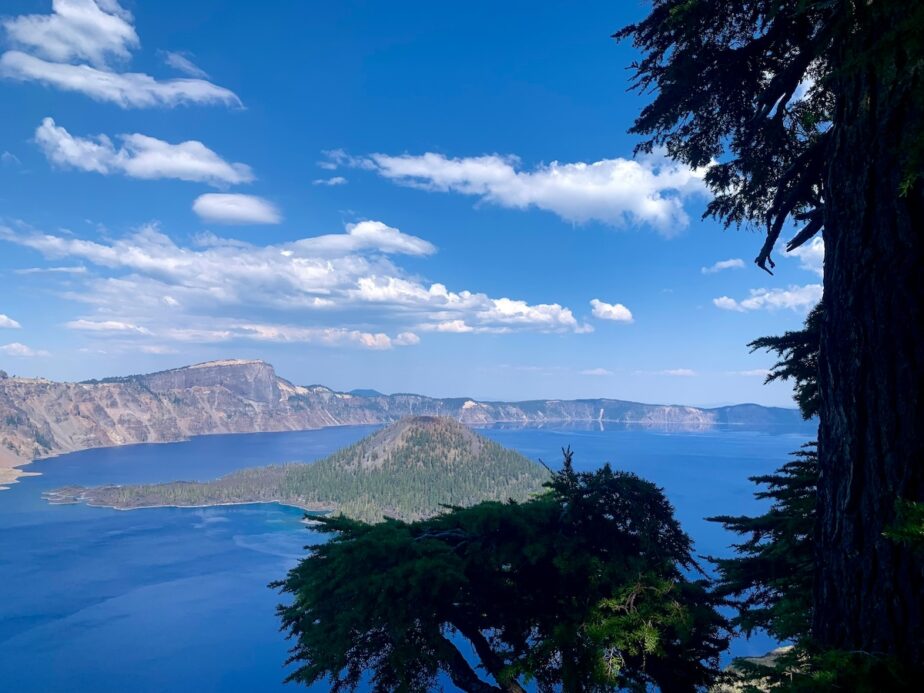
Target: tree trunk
[869,593]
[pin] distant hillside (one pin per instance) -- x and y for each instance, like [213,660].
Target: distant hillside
[39,418]
[407,470]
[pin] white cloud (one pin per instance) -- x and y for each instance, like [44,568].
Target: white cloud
[811,255]
[610,311]
[678,372]
[752,373]
[21,351]
[139,156]
[335,180]
[9,159]
[158,349]
[106,326]
[180,62]
[76,30]
[336,288]
[8,322]
[798,298]
[367,235]
[52,270]
[649,190]
[597,372]
[125,89]
[234,208]
[734,263]
[71,49]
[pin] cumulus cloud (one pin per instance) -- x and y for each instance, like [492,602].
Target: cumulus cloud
[797,298]
[734,263]
[72,49]
[8,322]
[76,30]
[234,208]
[811,255]
[610,311]
[335,289]
[649,190]
[180,62]
[21,350]
[139,156]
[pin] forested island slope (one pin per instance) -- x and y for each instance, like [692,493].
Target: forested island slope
[408,470]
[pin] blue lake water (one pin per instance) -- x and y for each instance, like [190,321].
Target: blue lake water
[168,599]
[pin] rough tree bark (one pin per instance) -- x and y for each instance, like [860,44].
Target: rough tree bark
[870,590]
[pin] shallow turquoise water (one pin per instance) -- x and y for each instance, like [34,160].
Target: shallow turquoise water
[169,599]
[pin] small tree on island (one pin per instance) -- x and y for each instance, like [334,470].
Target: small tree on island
[584,588]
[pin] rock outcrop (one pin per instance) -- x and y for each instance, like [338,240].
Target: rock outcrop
[40,418]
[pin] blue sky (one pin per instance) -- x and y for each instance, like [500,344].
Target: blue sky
[428,197]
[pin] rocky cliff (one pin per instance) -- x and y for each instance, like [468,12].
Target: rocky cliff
[39,418]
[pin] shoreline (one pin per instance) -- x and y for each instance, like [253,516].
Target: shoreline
[11,469]
[11,464]
[47,496]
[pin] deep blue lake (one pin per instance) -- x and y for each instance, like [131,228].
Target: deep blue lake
[169,599]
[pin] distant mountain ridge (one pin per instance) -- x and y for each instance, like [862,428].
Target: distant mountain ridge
[408,470]
[40,418]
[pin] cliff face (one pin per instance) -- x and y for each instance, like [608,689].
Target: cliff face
[39,417]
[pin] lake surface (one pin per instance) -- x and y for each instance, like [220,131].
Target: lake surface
[168,599]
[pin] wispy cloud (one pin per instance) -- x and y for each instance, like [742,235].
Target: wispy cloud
[751,373]
[331,182]
[20,350]
[798,298]
[8,322]
[234,208]
[9,159]
[73,49]
[139,156]
[79,269]
[617,192]
[106,326]
[180,62]
[734,263]
[610,311]
[600,372]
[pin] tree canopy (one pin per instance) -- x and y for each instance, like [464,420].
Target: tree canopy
[590,586]
[812,111]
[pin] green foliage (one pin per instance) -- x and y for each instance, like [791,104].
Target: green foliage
[770,579]
[798,354]
[583,588]
[724,77]
[909,525]
[407,471]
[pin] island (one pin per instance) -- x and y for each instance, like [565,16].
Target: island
[409,470]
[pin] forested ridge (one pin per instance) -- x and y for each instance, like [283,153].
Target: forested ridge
[407,471]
